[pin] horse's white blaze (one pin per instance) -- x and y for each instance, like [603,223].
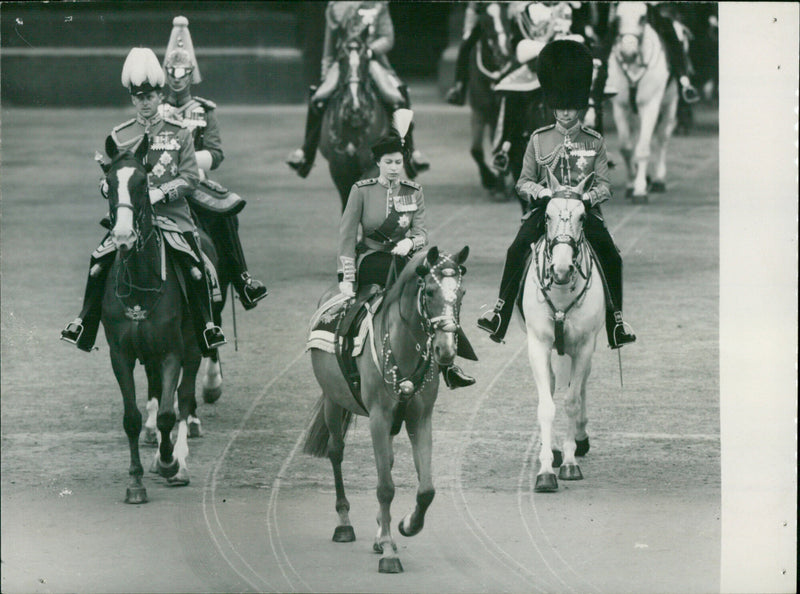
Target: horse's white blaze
[354,80]
[123,233]
[562,262]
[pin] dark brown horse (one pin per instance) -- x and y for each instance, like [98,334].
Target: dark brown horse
[412,333]
[354,120]
[146,319]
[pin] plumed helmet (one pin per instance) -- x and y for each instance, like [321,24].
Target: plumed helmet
[390,143]
[565,72]
[141,72]
[180,51]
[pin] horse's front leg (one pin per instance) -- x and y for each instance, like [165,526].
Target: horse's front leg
[663,133]
[166,465]
[622,115]
[380,422]
[648,116]
[477,127]
[132,423]
[575,407]
[539,355]
[211,373]
[149,436]
[334,420]
[419,423]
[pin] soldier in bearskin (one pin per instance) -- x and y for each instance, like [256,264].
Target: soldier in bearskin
[571,152]
[199,116]
[172,178]
[390,211]
[345,20]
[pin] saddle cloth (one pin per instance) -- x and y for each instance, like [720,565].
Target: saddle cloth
[212,198]
[521,79]
[322,328]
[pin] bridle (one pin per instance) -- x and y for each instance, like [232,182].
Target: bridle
[563,236]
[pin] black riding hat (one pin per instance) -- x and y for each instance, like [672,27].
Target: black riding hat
[565,72]
[390,143]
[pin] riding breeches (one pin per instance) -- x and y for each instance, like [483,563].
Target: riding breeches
[462,59]
[387,83]
[224,232]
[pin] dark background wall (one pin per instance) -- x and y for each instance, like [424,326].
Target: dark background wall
[248,52]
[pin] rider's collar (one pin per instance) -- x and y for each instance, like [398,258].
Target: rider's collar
[148,122]
[572,131]
[387,184]
[178,99]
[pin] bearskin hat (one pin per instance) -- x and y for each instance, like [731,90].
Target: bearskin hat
[565,72]
[180,51]
[390,143]
[141,72]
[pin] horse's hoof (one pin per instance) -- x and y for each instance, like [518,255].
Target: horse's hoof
[639,199]
[211,395]
[546,483]
[344,534]
[570,472]
[195,430]
[181,479]
[149,437]
[581,447]
[558,458]
[168,470]
[136,495]
[658,187]
[409,533]
[390,565]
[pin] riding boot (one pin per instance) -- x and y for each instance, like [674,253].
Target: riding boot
[82,331]
[457,94]
[610,264]
[676,57]
[302,159]
[454,377]
[250,290]
[209,335]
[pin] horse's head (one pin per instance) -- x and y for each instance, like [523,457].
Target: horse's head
[128,196]
[629,23]
[564,219]
[494,37]
[440,277]
[354,73]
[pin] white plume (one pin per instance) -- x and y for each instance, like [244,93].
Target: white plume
[142,66]
[401,121]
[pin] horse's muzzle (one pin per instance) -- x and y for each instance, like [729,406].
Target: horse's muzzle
[124,242]
[445,346]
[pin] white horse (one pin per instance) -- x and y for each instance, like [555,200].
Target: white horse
[638,69]
[564,309]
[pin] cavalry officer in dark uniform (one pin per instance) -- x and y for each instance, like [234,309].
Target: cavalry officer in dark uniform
[172,178]
[391,214]
[345,20]
[199,117]
[571,152]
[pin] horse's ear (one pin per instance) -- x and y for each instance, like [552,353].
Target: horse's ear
[423,270]
[462,256]
[141,150]
[585,184]
[433,255]
[112,150]
[552,181]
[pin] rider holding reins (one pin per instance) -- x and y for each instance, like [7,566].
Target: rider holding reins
[199,116]
[173,177]
[344,21]
[571,152]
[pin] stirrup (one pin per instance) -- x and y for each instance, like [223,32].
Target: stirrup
[690,94]
[622,333]
[72,332]
[213,337]
[300,164]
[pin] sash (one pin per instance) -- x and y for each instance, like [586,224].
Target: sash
[383,234]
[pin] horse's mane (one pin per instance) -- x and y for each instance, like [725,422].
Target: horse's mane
[395,292]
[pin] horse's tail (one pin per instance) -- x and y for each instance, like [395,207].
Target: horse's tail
[317,433]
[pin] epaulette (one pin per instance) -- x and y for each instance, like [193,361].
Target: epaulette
[591,132]
[207,103]
[367,182]
[544,128]
[124,125]
[408,182]
[118,133]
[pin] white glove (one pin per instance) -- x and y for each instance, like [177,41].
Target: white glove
[156,195]
[104,188]
[346,288]
[403,247]
[546,193]
[204,160]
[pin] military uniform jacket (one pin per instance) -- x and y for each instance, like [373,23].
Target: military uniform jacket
[345,19]
[571,155]
[174,165]
[370,203]
[199,116]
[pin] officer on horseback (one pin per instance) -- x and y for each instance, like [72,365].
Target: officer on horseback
[571,152]
[172,178]
[660,18]
[345,20]
[391,213]
[198,115]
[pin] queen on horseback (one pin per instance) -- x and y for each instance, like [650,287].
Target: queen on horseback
[172,177]
[570,152]
[346,20]
[390,211]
